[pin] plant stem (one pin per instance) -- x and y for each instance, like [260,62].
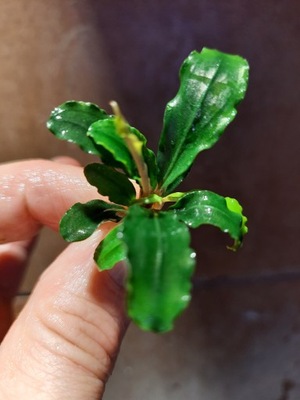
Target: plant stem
[135,147]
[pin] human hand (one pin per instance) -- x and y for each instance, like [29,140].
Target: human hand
[64,343]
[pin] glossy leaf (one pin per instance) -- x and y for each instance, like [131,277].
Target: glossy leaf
[70,121]
[111,250]
[204,207]
[212,84]
[111,183]
[81,220]
[155,242]
[150,160]
[115,152]
[161,265]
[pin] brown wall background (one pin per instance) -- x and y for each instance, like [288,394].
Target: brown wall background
[131,51]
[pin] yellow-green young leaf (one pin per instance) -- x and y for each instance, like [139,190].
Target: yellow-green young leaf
[115,152]
[204,207]
[161,263]
[70,121]
[111,183]
[111,250]
[81,220]
[234,206]
[151,199]
[212,84]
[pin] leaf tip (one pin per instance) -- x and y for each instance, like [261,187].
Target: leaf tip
[234,206]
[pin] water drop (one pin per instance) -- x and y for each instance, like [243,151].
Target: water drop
[120,235]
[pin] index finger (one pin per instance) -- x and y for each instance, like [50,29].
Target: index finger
[38,192]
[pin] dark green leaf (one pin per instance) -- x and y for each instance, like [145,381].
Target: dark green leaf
[81,220]
[70,121]
[204,207]
[111,183]
[111,250]
[115,152]
[150,160]
[161,265]
[212,84]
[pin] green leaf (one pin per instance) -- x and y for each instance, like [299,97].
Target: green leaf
[161,265]
[204,207]
[172,197]
[115,152]
[81,220]
[234,205]
[151,199]
[111,183]
[150,160]
[212,84]
[111,250]
[70,121]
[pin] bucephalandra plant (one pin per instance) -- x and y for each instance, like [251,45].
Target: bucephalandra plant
[152,219]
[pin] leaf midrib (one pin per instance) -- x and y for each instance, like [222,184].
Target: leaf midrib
[179,147]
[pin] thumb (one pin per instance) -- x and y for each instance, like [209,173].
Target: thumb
[64,342]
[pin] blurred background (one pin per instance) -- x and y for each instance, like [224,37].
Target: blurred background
[240,337]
